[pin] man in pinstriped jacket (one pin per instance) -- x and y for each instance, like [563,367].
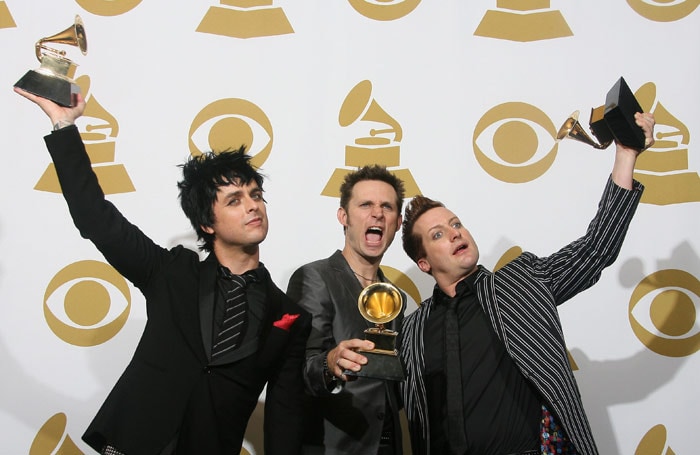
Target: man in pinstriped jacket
[515,392]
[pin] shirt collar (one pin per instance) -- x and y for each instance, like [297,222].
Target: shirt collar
[465,287]
[257,273]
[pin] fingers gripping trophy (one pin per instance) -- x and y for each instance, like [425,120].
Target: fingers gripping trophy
[53,79]
[380,303]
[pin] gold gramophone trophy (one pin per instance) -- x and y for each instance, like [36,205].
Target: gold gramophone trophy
[612,121]
[380,303]
[53,79]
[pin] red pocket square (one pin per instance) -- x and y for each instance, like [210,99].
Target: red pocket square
[286,322]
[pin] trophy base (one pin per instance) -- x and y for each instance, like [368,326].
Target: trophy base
[380,366]
[620,107]
[57,89]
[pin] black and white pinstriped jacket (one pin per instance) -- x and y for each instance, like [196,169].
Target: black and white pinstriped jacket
[520,300]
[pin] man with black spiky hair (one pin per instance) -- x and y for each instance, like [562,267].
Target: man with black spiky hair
[218,330]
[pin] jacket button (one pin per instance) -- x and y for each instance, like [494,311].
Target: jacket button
[207,370]
[380,415]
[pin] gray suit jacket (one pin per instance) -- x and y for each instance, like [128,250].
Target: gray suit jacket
[349,421]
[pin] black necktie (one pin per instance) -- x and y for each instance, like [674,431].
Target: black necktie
[453,375]
[235,312]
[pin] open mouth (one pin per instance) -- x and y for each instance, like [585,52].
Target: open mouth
[374,234]
[460,249]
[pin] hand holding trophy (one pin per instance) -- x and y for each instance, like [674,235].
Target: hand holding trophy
[380,303]
[612,121]
[53,79]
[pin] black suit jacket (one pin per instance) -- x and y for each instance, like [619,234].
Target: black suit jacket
[170,389]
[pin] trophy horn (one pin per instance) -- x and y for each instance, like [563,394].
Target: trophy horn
[572,129]
[73,36]
[380,303]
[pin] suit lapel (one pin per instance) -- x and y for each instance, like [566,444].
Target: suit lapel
[207,297]
[486,289]
[346,279]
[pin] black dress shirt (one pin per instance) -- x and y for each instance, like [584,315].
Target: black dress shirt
[502,414]
[255,296]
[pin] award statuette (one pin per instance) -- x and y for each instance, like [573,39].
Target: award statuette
[380,303]
[52,80]
[612,121]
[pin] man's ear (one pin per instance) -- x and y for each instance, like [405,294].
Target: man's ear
[342,216]
[207,229]
[398,223]
[423,265]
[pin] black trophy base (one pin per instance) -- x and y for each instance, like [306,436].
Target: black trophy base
[380,366]
[59,90]
[618,117]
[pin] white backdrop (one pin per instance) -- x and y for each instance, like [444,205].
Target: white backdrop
[473,92]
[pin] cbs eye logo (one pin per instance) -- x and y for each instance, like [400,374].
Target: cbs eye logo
[664,10]
[108,7]
[517,131]
[229,123]
[87,303]
[663,313]
[384,10]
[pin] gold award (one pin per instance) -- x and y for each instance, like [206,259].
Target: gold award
[380,303]
[612,121]
[53,79]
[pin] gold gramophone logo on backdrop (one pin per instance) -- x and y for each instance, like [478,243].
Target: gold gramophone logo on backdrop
[663,312]
[87,303]
[6,20]
[98,133]
[108,7]
[245,19]
[380,145]
[229,123]
[523,20]
[384,10]
[655,442]
[52,438]
[664,167]
[664,10]
[517,131]
[54,78]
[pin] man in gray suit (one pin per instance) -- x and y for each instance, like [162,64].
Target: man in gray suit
[487,365]
[346,414]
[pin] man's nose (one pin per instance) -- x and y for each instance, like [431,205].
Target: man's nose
[251,204]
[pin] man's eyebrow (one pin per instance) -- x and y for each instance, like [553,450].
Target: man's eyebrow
[449,223]
[232,194]
[431,228]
